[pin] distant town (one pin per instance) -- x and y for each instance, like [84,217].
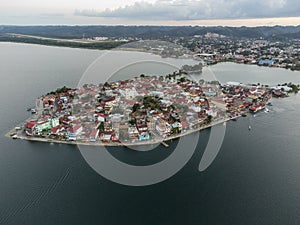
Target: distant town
[142,110]
[215,48]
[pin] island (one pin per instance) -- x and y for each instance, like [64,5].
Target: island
[139,111]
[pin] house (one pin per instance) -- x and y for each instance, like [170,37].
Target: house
[177,125]
[57,130]
[94,135]
[42,126]
[163,127]
[105,136]
[151,124]
[54,122]
[133,132]
[142,128]
[108,126]
[30,125]
[144,136]
[74,132]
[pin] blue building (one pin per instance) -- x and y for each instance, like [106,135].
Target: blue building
[144,137]
[266,62]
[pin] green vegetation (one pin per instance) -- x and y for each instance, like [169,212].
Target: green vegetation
[132,122]
[295,87]
[194,68]
[153,32]
[152,102]
[101,127]
[208,119]
[61,42]
[297,67]
[64,89]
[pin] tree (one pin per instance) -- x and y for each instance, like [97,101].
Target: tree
[135,107]
[132,122]
[182,79]
[209,118]
[101,127]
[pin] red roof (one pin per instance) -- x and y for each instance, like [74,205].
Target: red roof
[109,99]
[130,102]
[30,124]
[94,132]
[75,128]
[184,124]
[55,129]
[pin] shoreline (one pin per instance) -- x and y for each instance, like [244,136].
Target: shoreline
[116,144]
[119,48]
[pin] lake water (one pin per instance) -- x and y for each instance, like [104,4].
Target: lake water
[254,179]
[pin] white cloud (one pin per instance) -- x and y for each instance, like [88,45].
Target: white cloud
[199,10]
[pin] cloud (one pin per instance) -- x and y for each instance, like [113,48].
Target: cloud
[200,10]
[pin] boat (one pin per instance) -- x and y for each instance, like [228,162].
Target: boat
[17,128]
[249,128]
[269,104]
[33,111]
[267,110]
[244,115]
[15,136]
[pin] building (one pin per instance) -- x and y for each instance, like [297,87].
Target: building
[163,127]
[266,62]
[94,135]
[151,124]
[133,132]
[74,132]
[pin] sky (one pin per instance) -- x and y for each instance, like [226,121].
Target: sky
[151,12]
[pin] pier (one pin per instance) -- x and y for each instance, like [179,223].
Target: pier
[165,144]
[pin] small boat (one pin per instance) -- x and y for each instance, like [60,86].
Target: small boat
[33,111]
[269,104]
[244,115]
[234,119]
[28,109]
[249,128]
[15,136]
[267,110]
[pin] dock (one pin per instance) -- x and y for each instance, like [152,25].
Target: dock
[165,144]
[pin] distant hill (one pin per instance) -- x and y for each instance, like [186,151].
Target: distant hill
[67,32]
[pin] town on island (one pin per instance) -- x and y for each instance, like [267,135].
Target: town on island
[142,110]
